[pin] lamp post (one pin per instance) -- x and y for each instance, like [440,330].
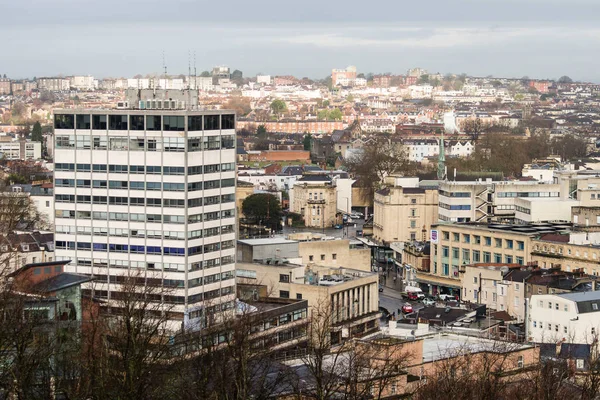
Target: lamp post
[345,227]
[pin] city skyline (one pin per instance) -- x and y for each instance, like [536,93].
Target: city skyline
[504,39]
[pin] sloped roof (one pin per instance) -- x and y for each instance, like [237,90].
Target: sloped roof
[61,281]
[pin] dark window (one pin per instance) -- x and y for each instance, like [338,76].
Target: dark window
[211,122]
[83,122]
[153,123]
[117,122]
[227,142]
[152,169]
[173,123]
[136,122]
[299,296]
[136,169]
[99,168]
[284,294]
[194,144]
[64,121]
[195,123]
[99,122]
[284,278]
[228,121]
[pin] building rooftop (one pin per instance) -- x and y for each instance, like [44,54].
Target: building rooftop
[265,241]
[537,228]
[448,345]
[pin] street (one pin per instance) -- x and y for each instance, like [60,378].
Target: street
[391,300]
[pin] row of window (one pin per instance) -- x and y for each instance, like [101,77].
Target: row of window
[158,266]
[147,169]
[144,122]
[134,217]
[169,144]
[465,207]
[138,249]
[478,256]
[565,306]
[549,326]
[527,194]
[142,201]
[454,194]
[143,233]
[207,280]
[487,240]
[141,185]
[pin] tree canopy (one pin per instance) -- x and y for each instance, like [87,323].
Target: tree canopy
[278,106]
[565,79]
[262,208]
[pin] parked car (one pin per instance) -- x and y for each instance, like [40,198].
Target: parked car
[355,216]
[381,288]
[427,302]
[407,309]
[338,226]
[446,297]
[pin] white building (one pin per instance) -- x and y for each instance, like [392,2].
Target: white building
[420,92]
[21,150]
[81,82]
[568,317]
[263,79]
[149,192]
[543,209]
[483,201]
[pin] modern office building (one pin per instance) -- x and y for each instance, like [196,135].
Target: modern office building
[149,192]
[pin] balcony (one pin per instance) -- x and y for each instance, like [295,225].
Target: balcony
[315,201]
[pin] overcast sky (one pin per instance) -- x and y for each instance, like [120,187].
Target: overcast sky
[504,38]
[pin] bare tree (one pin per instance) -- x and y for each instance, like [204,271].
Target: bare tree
[474,127]
[377,160]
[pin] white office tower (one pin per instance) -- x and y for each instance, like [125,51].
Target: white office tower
[151,192]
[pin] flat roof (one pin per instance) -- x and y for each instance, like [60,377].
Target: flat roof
[265,241]
[448,345]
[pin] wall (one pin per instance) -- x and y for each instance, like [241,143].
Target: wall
[316,212]
[404,214]
[578,326]
[335,253]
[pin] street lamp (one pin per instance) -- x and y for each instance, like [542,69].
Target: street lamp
[348,212]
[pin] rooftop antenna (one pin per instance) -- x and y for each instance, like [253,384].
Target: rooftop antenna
[195,76]
[164,70]
[189,80]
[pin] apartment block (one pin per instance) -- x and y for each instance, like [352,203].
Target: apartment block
[315,199]
[149,192]
[569,317]
[487,201]
[404,213]
[457,245]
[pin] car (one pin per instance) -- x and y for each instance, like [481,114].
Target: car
[427,302]
[355,216]
[446,297]
[360,215]
[407,309]
[381,288]
[338,226]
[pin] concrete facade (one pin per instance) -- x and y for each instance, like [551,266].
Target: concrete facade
[404,213]
[315,201]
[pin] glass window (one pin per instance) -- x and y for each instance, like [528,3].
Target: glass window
[153,123]
[117,122]
[83,121]
[211,122]
[99,142]
[174,144]
[99,122]
[195,123]
[173,123]
[228,121]
[118,143]
[136,122]
[64,121]
[137,143]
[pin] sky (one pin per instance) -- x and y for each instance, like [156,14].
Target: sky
[121,38]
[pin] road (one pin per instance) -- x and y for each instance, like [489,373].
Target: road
[392,300]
